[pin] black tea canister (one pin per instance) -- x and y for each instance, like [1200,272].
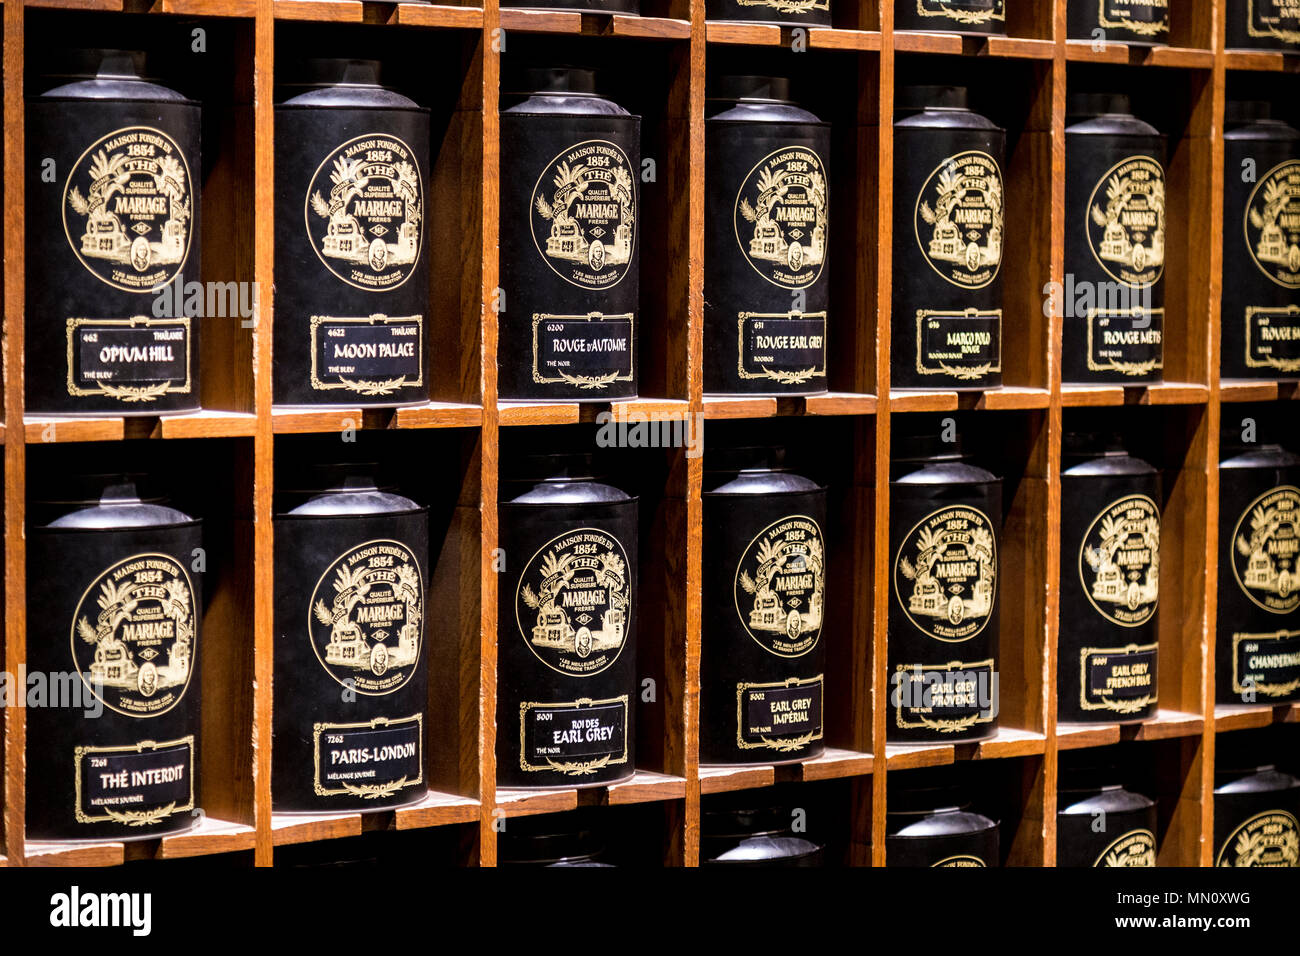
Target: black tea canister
[757,829]
[1263,25]
[931,823]
[1256,817]
[1135,22]
[1110,584]
[351,256]
[350,678]
[570,194]
[762,657]
[949,200]
[111,244]
[1257,649]
[978,17]
[566,646]
[945,530]
[766,244]
[1101,822]
[1261,245]
[1114,244]
[114,603]
[812,13]
[553,839]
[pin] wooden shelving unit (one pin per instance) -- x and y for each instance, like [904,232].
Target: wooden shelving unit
[460,429]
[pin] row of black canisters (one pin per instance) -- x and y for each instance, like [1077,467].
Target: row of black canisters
[113,627]
[351,257]
[1257,649]
[1263,25]
[1110,584]
[570,242]
[1135,22]
[762,657]
[112,202]
[1261,245]
[1114,244]
[566,648]
[350,679]
[949,236]
[945,546]
[767,285]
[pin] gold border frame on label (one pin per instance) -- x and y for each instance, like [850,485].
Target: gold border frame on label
[135,321]
[377,319]
[997,574]
[1139,832]
[947,861]
[916,211]
[1140,27]
[923,314]
[1136,703]
[735,577]
[377,723]
[999,12]
[1292,311]
[1087,591]
[1237,639]
[1087,221]
[742,317]
[1124,367]
[1245,223]
[1223,847]
[1287,36]
[86,751]
[821,167]
[424,209]
[527,706]
[1232,546]
[540,317]
[792,743]
[989,664]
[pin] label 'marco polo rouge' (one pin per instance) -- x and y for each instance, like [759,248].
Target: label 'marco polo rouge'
[1257,650]
[766,247]
[351,685]
[816,13]
[945,525]
[351,234]
[1261,247]
[1114,244]
[118,221]
[980,17]
[762,659]
[1135,22]
[1263,25]
[1110,585]
[566,684]
[114,607]
[948,241]
[570,208]
[1256,818]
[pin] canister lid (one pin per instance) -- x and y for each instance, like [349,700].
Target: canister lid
[931,96]
[105,501]
[338,71]
[925,448]
[109,74]
[767,89]
[552,840]
[1098,104]
[338,488]
[556,79]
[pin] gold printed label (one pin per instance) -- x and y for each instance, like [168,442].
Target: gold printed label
[1121,680]
[780,217]
[366,619]
[945,573]
[375,355]
[1271,838]
[127,209]
[365,212]
[1114,335]
[584,213]
[1143,17]
[1272,224]
[1267,664]
[782,716]
[1273,338]
[958,219]
[136,785]
[961,859]
[1135,848]
[575,738]
[948,698]
[1279,19]
[788,6]
[591,351]
[784,347]
[1126,221]
[780,586]
[1266,544]
[965,344]
[133,635]
[372,759]
[139,359]
[571,605]
[1119,561]
[965,12]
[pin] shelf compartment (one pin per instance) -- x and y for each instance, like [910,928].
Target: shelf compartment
[1083,51]
[301,421]
[1262,60]
[768,406]
[1007,742]
[1244,390]
[189,8]
[74,854]
[954,44]
[645,786]
[569,413]
[1157,393]
[208,423]
[1228,717]
[912,756]
[354,11]
[592,24]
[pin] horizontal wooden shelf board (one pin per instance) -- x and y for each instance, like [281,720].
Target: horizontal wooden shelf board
[1079,736]
[568,413]
[74,854]
[1164,725]
[729,779]
[911,756]
[289,828]
[210,836]
[1265,60]
[767,406]
[297,421]
[1229,717]
[208,423]
[644,786]
[526,803]
[1007,742]
[435,810]
[185,8]
[1156,393]
[1245,390]
[1084,51]
[592,24]
[1004,398]
[833,764]
[355,11]
[754,34]
[953,44]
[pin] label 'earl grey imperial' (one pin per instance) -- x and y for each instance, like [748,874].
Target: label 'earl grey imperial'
[351,235]
[109,241]
[115,601]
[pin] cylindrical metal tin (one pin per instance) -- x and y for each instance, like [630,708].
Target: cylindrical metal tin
[949,199]
[1105,826]
[812,13]
[566,647]
[113,619]
[751,829]
[570,202]
[1110,585]
[569,839]
[762,660]
[111,244]
[1114,245]
[351,263]
[945,531]
[350,678]
[934,826]
[767,285]
[1263,25]
[1135,22]
[1261,246]
[1257,651]
[979,17]
[1256,818]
